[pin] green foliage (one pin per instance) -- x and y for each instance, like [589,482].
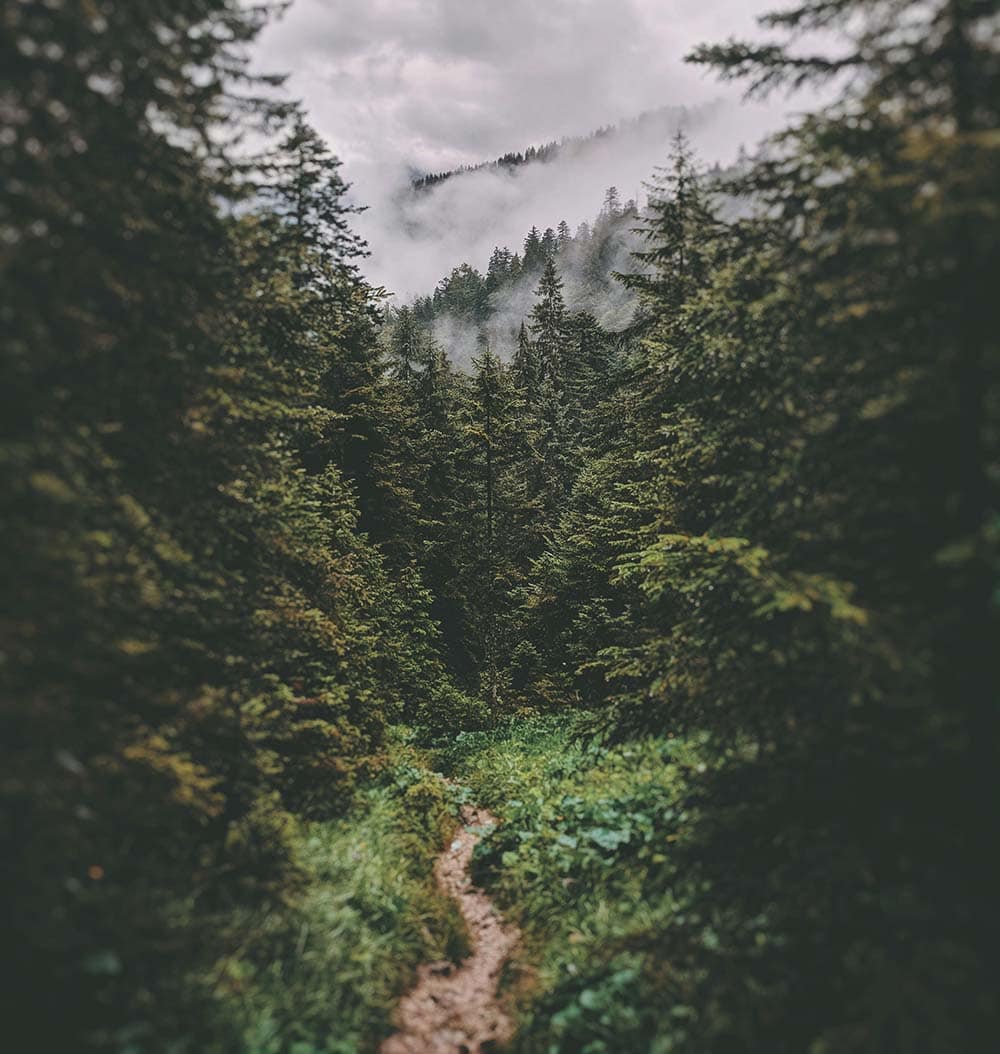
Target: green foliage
[816,424]
[450,712]
[322,973]
[201,648]
[247,525]
[584,859]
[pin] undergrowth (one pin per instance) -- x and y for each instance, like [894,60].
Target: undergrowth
[582,860]
[322,975]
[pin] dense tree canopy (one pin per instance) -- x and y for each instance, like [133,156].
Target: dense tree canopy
[721,470]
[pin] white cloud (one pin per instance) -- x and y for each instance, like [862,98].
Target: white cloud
[398,85]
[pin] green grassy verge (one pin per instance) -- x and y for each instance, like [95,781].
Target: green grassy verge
[322,974]
[582,861]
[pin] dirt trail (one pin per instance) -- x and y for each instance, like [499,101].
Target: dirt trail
[454,1009]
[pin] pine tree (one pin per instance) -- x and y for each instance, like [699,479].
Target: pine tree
[463,294]
[533,255]
[550,341]
[525,366]
[305,194]
[563,236]
[499,271]
[679,228]
[192,627]
[404,346]
[549,328]
[800,610]
[491,433]
[589,380]
[612,207]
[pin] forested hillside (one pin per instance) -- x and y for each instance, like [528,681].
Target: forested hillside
[650,125]
[469,310]
[671,540]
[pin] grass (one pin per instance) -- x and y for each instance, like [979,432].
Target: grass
[323,975]
[582,861]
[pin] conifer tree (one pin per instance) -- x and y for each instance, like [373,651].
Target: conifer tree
[612,207]
[500,268]
[550,341]
[404,346]
[549,328]
[524,365]
[679,228]
[799,608]
[492,435]
[194,650]
[305,193]
[533,255]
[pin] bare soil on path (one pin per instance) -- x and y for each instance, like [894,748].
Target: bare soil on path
[454,1009]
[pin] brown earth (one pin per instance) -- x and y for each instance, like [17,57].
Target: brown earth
[453,1009]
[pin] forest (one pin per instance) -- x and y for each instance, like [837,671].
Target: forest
[677,620]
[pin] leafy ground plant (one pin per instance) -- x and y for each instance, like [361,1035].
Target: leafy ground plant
[583,861]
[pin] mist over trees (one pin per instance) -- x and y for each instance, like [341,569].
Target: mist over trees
[673,539]
[650,125]
[468,309]
[419,235]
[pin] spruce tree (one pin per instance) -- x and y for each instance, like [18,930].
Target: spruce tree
[550,341]
[194,647]
[533,255]
[563,236]
[549,328]
[491,433]
[818,497]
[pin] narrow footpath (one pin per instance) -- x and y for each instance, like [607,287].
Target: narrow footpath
[454,1009]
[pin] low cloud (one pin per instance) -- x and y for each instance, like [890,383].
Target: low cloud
[418,237]
[405,86]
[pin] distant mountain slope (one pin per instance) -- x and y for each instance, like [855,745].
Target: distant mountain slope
[653,123]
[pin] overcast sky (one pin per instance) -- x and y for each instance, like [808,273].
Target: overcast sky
[396,85]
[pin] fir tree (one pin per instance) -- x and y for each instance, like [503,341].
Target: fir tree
[563,236]
[550,341]
[533,255]
[491,433]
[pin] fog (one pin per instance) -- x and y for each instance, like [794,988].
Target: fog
[417,237]
[400,88]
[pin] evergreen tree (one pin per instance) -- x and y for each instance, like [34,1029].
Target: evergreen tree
[195,628]
[463,294]
[612,207]
[589,380]
[525,366]
[305,194]
[500,267]
[563,236]
[491,434]
[549,328]
[679,228]
[801,609]
[533,255]
[404,346]
[550,341]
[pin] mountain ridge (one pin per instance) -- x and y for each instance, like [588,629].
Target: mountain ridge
[663,119]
